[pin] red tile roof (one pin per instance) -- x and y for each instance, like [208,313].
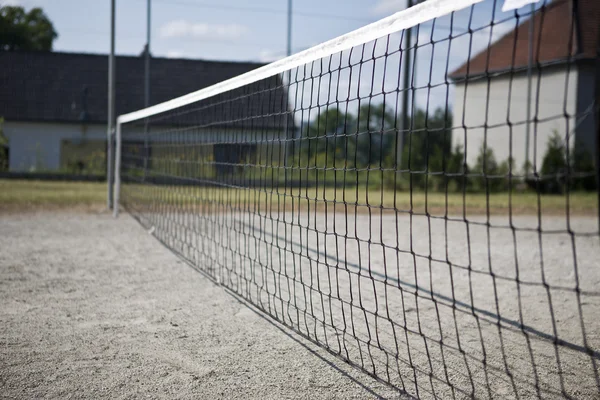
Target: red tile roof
[553,31]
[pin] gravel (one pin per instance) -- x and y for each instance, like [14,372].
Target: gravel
[98,308]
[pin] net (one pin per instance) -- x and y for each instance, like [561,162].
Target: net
[419,197]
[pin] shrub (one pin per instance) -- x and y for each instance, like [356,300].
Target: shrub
[583,176]
[559,173]
[554,167]
[493,175]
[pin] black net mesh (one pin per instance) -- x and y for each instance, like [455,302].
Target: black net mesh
[424,206]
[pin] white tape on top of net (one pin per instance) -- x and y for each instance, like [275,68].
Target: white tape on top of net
[408,18]
[514,4]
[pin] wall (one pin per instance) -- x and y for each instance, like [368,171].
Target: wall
[36,146]
[503,119]
[200,151]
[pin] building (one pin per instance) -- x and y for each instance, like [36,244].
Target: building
[54,104]
[491,89]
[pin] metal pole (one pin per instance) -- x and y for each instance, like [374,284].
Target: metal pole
[147,76]
[289,28]
[146,89]
[405,93]
[118,172]
[529,84]
[111,109]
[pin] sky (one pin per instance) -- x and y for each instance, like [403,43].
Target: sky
[210,29]
[207,29]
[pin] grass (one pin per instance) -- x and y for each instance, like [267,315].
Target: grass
[39,195]
[27,194]
[209,199]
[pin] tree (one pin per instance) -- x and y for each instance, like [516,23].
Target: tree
[558,173]
[429,140]
[20,30]
[376,135]
[555,159]
[331,133]
[554,166]
[583,171]
[494,175]
[367,141]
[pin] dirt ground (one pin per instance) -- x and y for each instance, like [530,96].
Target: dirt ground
[445,308]
[98,308]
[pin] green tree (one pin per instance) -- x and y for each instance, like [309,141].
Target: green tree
[427,148]
[583,169]
[332,134]
[368,140]
[429,143]
[494,176]
[376,135]
[554,166]
[555,160]
[20,30]
[558,173]
[456,168]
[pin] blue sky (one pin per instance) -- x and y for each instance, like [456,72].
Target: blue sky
[211,29]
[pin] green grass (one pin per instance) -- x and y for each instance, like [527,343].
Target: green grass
[579,203]
[22,194]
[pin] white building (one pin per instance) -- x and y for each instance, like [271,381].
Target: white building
[491,89]
[54,104]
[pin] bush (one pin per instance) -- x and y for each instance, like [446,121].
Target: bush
[555,161]
[368,141]
[559,174]
[494,176]
[554,169]
[583,176]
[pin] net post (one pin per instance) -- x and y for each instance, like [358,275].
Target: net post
[111,110]
[110,167]
[117,170]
